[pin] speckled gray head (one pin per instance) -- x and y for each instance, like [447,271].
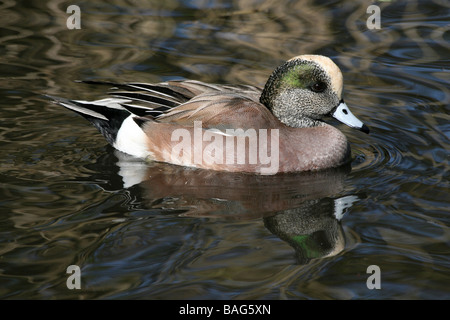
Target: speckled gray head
[305,89]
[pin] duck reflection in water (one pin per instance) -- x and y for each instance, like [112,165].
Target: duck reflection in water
[302,209]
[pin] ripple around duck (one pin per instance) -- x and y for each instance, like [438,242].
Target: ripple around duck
[62,191]
[376,157]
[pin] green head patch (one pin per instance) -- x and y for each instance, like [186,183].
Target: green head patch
[298,76]
[294,74]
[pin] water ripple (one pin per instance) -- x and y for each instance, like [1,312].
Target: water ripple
[64,201]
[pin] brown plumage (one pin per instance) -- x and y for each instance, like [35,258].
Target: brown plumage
[192,123]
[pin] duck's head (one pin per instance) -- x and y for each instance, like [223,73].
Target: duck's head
[306,89]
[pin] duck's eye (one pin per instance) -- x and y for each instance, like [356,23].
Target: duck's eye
[319,87]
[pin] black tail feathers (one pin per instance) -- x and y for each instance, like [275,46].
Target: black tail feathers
[107,116]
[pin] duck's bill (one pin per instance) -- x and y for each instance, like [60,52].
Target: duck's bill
[344,115]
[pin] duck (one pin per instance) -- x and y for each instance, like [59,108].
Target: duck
[277,128]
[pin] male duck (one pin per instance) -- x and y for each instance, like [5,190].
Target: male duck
[195,124]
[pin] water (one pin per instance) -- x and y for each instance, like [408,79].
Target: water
[190,234]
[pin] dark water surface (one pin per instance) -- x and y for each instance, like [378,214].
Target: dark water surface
[190,234]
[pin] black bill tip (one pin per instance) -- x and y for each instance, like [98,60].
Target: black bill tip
[365,129]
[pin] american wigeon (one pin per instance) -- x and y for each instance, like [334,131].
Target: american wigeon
[237,128]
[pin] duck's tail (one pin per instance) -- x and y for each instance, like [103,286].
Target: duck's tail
[113,118]
[107,115]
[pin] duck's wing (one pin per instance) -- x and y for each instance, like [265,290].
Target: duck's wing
[185,101]
[221,110]
[149,99]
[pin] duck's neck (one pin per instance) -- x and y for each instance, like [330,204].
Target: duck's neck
[281,107]
[298,122]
